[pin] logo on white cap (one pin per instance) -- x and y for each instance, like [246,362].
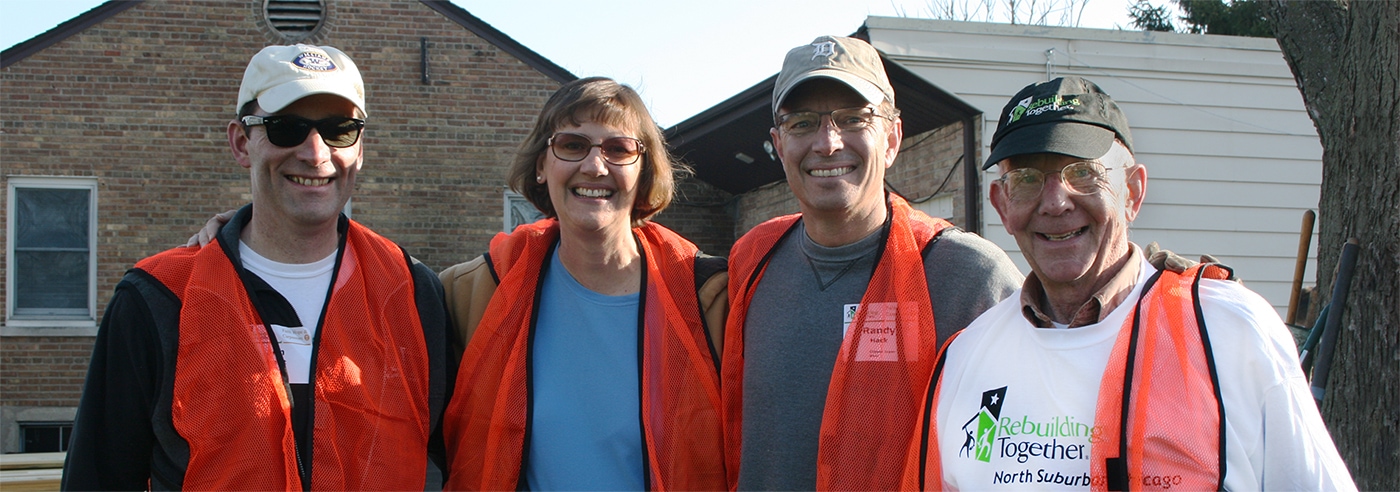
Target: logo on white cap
[314,62]
[824,48]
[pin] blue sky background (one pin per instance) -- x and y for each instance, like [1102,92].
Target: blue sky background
[683,57]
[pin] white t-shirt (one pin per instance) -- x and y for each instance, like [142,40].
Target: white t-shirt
[1037,389]
[304,286]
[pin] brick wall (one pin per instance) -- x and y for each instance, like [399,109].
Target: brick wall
[928,161]
[44,371]
[703,214]
[763,203]
[141,101]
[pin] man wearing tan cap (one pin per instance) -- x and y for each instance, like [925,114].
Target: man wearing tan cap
[837,313]
[186,389]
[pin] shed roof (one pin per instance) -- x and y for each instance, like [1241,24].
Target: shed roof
[728,144]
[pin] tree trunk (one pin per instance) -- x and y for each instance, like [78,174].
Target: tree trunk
[1345,56]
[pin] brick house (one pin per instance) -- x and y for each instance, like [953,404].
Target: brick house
[113,148]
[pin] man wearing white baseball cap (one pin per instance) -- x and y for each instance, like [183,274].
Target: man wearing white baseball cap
[837,312]
[186,389]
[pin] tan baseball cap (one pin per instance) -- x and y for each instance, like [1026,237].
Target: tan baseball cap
[280,75]
[848,60]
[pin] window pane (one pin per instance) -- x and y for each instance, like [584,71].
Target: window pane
[51,282]
[45,437]
[522,212]
[51,218]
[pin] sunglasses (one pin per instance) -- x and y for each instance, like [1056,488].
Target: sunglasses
[291,131]
[573,147]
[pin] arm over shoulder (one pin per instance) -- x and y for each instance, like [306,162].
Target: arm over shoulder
[966,276]
[714,308]
[468,288]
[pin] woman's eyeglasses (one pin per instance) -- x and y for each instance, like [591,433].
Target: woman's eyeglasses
[291,131]
[573,147]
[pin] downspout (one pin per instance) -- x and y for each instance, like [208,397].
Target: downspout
[972,177]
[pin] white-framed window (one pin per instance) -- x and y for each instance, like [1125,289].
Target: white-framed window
[51,257]
[518,211]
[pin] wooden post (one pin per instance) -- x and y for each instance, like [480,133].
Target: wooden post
[1304,240]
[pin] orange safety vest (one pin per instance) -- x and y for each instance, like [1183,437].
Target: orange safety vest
[487,421]
[881,372]
[1174,415]
[230,401]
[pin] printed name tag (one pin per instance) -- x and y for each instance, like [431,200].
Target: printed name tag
[294,335]
[879,336]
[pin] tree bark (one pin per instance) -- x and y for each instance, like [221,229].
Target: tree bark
[1345,55]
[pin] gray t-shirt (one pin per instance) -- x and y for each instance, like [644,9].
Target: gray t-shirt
[794,330]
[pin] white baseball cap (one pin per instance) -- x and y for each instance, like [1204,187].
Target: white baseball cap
[280,75]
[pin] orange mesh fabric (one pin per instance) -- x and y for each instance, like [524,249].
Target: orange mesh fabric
[372,416]
[230,404]
[924,466]
[882,370]
[486,419]
[749,255]
[680,400]
[1174,417]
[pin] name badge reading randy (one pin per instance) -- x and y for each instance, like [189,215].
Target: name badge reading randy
[877,339]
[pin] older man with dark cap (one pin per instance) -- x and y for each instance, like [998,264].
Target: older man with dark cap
[300,349]
[1103,372]
[837,312]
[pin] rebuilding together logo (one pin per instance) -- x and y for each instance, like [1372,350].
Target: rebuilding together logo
[1033,107]
[1061,438]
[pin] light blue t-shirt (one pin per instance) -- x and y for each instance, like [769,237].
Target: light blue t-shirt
[586,429]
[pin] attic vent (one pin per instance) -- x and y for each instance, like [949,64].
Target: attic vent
[295,19]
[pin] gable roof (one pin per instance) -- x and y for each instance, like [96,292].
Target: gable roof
[63,31]
[454,13]
[500,40]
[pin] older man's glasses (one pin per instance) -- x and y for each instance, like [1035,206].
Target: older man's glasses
[291,131]
[1080,178]
[803,123]
[573,147]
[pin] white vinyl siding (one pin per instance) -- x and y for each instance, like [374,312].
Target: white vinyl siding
[1232,158]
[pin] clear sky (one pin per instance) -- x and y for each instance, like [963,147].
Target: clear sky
[683,57]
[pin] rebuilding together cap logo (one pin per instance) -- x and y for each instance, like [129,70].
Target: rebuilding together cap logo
[1031,106]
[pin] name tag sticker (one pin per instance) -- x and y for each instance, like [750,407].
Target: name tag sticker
[878,340]
[885,324]
[294,335]
[848,316]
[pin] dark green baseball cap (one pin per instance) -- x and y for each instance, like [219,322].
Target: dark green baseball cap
[1068,115]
